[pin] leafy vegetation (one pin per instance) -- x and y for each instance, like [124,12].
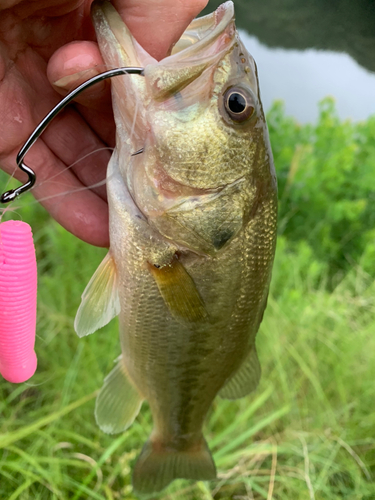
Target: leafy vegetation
[309,430]
[326,188]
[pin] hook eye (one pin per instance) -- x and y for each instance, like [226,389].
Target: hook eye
[13,193]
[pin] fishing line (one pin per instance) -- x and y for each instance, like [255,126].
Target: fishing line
[134,118]
[29,384]
[71,191]
[12,208]
[46,198]
[106,148]
[9,207]
[11,176]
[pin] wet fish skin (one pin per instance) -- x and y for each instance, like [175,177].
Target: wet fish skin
[193,231]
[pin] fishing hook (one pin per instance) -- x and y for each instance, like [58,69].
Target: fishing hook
[13,193]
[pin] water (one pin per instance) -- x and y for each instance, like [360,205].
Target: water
[302,78]
[308,50]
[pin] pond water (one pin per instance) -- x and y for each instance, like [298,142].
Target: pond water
[308,50]
[302,78]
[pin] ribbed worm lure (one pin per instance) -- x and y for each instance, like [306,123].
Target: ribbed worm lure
[18,291]
[18,269]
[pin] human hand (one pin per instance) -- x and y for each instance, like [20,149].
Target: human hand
[42,42]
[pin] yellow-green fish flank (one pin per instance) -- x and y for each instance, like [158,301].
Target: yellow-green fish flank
[192,230]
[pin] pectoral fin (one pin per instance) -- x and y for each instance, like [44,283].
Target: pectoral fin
[118,402]
[100,302]
[179,291]
[245,380]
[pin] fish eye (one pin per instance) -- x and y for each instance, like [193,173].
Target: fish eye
[239,104]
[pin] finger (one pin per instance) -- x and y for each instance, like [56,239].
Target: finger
[74,64]
[101,122]
[158,24]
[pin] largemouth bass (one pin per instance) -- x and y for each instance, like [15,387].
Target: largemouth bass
[192,231]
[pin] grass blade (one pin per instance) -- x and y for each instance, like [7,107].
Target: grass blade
[10,438]
[250,432]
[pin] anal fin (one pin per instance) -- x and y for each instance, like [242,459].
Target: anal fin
[118,401]
[246,378]
[100,302]
[179,291]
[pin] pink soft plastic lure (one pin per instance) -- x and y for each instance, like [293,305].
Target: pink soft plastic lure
[18,291]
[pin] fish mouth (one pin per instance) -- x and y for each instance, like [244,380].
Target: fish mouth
[203,32]
[201,44]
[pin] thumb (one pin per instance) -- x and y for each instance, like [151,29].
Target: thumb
[158,24]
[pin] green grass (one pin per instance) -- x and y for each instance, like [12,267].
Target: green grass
[308,432]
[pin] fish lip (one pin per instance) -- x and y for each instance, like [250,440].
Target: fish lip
[111,31]
[209,29]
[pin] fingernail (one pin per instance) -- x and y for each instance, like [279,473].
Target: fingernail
[70,82]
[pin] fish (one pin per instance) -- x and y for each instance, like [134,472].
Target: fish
[193,219]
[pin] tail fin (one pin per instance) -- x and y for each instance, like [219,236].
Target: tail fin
[157,466]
